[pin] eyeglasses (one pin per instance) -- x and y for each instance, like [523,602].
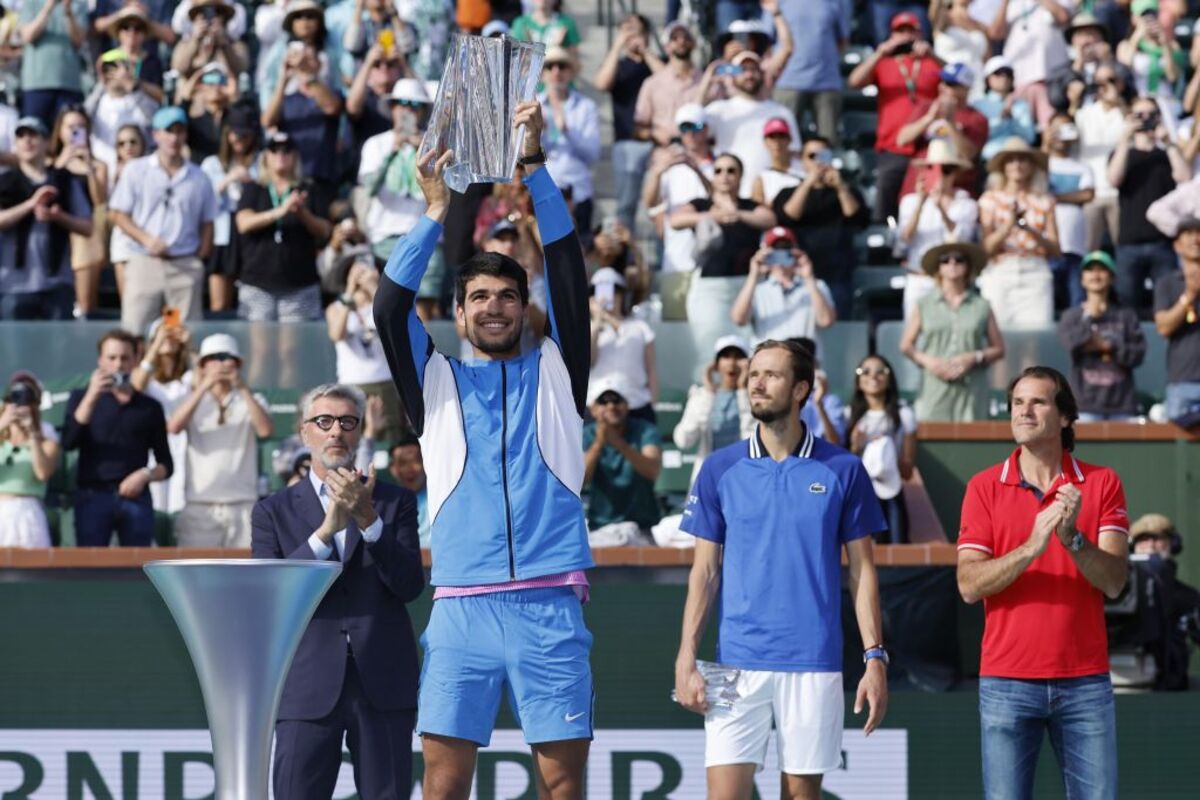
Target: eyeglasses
[221,357]
[609,400]
[557,65]
[690,127]
[325,422]
[725,171]
[952,258]
[873,372]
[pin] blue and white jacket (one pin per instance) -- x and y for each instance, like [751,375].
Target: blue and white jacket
[502,440]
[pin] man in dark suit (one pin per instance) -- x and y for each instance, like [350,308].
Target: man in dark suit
[355,672]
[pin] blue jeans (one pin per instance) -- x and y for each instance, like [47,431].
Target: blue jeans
[1068,272]
[1137,261]
[882,12]
[629,168]
[732,10]
[98,512]
[1182,398]
[56,303]
[1079,715]
[46,103]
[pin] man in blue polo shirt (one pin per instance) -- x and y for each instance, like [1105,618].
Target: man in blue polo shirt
[770,516]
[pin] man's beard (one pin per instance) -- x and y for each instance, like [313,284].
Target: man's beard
[335,463]
[770,415]
[495,348]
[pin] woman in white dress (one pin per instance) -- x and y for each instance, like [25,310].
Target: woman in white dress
[28,459]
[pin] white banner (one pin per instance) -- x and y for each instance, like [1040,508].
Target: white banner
[624,765]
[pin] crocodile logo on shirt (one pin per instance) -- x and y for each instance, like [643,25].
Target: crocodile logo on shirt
[816,488]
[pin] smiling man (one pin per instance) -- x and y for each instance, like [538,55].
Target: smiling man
[501,442]
[771,515]
[1042,543]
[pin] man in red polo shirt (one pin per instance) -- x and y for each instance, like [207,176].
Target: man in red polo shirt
[1042,542]
[906,73]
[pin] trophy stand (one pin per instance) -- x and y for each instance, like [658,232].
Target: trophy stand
[242,620]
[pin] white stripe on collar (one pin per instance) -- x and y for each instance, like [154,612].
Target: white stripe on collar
[1004,472]
[804,450]
[1078,471]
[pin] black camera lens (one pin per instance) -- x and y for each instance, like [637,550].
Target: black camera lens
[20,395]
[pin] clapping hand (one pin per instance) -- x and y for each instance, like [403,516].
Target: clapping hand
[352,494]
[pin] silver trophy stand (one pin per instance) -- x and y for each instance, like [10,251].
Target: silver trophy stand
[242,620]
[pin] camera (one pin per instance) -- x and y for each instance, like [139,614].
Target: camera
[728,70]
[21,395]
[902,49]
[120,380]
[779,258]
[1148,122]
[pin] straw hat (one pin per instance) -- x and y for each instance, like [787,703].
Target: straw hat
[976,258]
[942,151]
[223,9]
[1016,146]
[299,7]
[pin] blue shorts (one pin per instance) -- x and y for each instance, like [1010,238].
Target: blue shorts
[532,641]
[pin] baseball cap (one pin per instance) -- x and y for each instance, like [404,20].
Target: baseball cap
[779,234]
[670,28]
[1187,224]
[113,56]
[31,124]
[776,126]
[691,114]
[732,340]
[1102,258]
[243,119]
[219,343]
[608,275]
[608,385]
[1139,7]
[995,64]
[496,27]
[499,227]
[957,74]
[167,116]
[410,90]
[558,55]
[905,19]
[280,139]
[746,55]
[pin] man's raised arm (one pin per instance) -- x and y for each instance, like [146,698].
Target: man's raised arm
[403,336]
[567,316]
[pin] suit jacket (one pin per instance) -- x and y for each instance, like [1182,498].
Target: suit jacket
[366,602]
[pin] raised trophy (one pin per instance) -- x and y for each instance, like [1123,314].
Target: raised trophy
[242,620]
[483,81]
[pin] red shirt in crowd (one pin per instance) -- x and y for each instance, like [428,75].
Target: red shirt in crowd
[903,81]
[970,123]
[1049,623]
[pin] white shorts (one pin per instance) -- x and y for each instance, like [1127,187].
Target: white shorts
[807,709]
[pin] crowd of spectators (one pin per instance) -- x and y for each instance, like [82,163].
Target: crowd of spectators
[1031,166]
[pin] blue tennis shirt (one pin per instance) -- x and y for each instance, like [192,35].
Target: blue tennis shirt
[782,526]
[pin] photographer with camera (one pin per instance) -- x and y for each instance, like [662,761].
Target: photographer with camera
[207,40]
[1145,166]
[782,298]
[114,427]
[28,458]
[283,223]
[906,72]
[623,354]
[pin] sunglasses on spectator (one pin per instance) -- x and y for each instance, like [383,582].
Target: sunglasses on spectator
[610,399]
[409,103]
[876,372]
[690,127]
[326,421]
[557,65]
[302,15]
[952,258]
[221,357]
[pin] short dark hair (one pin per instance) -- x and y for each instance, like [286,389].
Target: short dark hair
[741,167]
[119,335]
[407,438]
[1064,398]
[495,265]
[803,368]
[818,139]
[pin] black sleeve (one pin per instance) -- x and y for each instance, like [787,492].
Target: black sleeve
[73,434]
[779,202]
[397,552]
[158,434]
[1073,331]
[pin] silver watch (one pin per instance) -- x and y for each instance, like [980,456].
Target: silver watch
[1076,543]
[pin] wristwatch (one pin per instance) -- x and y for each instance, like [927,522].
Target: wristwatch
[1076,542]
[878,651]
[537,158]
